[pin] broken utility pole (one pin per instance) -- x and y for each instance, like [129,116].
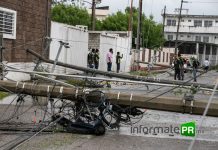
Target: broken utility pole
[122,76]
[159,103]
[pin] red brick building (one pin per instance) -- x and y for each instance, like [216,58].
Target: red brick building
[24,24]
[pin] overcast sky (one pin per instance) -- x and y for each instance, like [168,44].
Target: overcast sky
[155,7]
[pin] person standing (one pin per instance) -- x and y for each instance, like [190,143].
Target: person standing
[206,65]
[109,59]
[177,68]
[96,58]
[195,64]
[181,61]
[91,58]
[118,61]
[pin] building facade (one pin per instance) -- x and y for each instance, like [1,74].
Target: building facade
[101,13]
[198,34]
[24,24]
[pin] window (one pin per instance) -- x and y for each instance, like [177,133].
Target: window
[198,38]
[171,22]
[198,23]
[8,23]
[181,36]
[208,23]
[170,37]
[188,36]
[189,20]
[206,39]
[182,20]
[216,21]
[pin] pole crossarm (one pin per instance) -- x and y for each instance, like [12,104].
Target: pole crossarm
[168,66]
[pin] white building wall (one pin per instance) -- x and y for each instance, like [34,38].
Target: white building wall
[187,28]
[124,46]
[118,44]
[106,42]
[78,41]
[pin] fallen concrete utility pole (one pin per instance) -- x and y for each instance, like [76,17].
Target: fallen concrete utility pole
[168,66]
[161,103]
[123,76]
[39,74]
[161,65]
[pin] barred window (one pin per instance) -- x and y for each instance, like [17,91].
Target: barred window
[206,39]
[198,38]
[8,23]
[170,37]
[198,23]
[171,22]
[208,23]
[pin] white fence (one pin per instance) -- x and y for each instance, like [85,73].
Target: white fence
[78,42]
[163,56]
[78,51]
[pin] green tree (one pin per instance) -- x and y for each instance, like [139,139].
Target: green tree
[151,33]
[70,14]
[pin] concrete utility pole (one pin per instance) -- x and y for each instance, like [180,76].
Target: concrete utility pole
[160,103]
[139,32]
[93,15]
[179,20]
[117,75]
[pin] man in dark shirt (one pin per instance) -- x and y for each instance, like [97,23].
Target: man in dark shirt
[177,65]
[91,59]
[96,58]
[118,61]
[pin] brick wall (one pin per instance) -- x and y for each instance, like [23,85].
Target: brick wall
[33,23]
[94,40]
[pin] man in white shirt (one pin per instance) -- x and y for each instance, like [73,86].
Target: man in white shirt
[206,65]
[109,59]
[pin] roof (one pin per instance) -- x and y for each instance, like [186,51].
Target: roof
[192,16]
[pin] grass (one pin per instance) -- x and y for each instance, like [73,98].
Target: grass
[3,95]
[214,68]
[76,82]
[143,73]
[139,73]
